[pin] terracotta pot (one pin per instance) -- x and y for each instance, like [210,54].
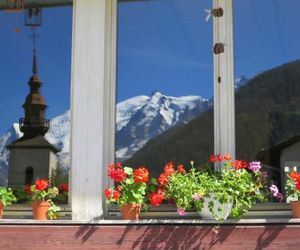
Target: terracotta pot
[130,211]
[40,209]
[1,209]
[295,208]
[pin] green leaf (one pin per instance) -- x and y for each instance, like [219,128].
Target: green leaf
[128,170]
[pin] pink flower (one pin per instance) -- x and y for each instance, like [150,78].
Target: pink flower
[254,166]
[279,197]
[181,211]
[197,197]
[274,190]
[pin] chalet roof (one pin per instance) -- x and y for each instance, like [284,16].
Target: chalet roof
[36,142]
[271,156]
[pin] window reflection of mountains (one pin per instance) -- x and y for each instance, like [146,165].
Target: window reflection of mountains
[267,114]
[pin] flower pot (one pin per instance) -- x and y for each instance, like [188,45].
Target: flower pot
[295,208]
[206,214]
[1,209]
[130,211]
[40,209]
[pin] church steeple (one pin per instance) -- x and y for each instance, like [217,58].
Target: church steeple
[34,122]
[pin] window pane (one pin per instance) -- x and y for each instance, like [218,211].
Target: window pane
[165,83]
[35,49]
[268,91]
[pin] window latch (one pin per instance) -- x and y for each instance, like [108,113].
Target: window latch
[218,12]
[218,48]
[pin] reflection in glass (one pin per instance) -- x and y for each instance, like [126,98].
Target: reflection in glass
[35,49]
[268,94]
[165,83]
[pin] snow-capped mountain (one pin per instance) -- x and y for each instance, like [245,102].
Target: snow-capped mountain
[150,117]
[138,120]
[241,81]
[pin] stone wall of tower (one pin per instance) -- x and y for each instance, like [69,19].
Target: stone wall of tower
[41,160]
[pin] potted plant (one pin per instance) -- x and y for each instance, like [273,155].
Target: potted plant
[41,195]
[6,198]
[292,189]
[129,189]
[217,194]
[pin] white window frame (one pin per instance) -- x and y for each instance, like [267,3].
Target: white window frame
[93,91]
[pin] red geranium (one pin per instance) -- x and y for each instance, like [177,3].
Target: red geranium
[227,157]
[107,193]
[28,189]
[169,169]
[156,199]
[215,158]
[41,184]
[180,169]
[141,175]
[297,185]
[239,164]
[63,188]
[295,176]
[163,179]
[116,172]
[116,195]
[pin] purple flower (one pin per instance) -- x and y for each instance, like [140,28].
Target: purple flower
[197,197]
[254,166]
[274,190]
[181,211]
[279,197]
[264,174]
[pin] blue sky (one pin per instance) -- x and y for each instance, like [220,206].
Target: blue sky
[163,45]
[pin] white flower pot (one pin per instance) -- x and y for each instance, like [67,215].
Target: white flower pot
[206,214]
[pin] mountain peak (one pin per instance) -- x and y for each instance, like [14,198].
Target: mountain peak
[156,93]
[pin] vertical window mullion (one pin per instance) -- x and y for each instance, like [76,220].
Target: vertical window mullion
[224,120]
[92,105]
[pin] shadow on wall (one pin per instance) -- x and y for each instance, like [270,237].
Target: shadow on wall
[188,236]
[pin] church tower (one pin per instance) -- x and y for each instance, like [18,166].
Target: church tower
[32,156]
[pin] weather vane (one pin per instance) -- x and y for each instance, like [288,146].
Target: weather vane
[33,19]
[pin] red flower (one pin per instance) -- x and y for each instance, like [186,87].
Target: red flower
[141,175]
[119,188]
[163,179]
[116,173]
[156,199]
[239,164]
[295,176]
[215,158]
[41,184]
[161,191]
[107,193]
[297,186]
[28,189]
[116,195]
[169,169]
[180,169]
[227,157]
[63,188]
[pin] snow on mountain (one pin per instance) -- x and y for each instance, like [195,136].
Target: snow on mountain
[159,113]
[239,82]
[127,108]
[138,120]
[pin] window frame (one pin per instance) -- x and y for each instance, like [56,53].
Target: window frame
[94,101]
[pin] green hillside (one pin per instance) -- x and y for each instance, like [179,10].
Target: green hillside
[267,113]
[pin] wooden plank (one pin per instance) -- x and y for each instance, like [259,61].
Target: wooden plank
[149,237]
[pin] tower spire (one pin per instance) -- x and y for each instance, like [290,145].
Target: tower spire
[34,122]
